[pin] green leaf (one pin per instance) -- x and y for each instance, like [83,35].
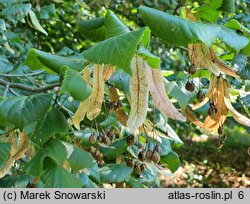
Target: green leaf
[22,110]
[47,12]
[116,149]
[172,161]
[7,2]
[120,80]
[233,23]
[101,28]
[52,122]
[17,12]
[215,4]
[84,135]
[175,91]
[4,153]
[115,173]
[172,134]
[113,25]
[93,29]
[19,181]
[36,23]
[166,146]
[118,50]
[53,149]
[242,65]
[228,6]
[150,174]
[152,60]
[87,182]
[37,59]
[206,13]
[179,31]
[79,158]
[246,100]
[57,177]
[75,85]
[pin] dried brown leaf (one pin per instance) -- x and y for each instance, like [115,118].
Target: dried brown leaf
[205,58]
[16,152]
[191,117]
[159,96]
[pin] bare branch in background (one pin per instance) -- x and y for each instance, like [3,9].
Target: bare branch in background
[28,88]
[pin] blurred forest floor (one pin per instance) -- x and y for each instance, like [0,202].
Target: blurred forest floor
[203,165]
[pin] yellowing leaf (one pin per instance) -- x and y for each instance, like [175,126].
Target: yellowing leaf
[139,94]
[22,146]
[158,92]
[92,105]
[86,75]
[209,93]
[148,129]
[16,152]
[216,120]
[108,71]
[96,98]
[80,113]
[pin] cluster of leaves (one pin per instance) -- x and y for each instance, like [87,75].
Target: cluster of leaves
[102,150]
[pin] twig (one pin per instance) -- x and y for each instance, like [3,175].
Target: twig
[6,90]
[65,109]
[6,132]
[23,75]
[14,93]
[177,7]
[28,88]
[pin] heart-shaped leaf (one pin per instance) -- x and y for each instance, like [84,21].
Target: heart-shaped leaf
[22,110]
[179,31]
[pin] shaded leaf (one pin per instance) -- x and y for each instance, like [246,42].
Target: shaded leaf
[57,177]
[22,110]
[75,85]
[101,28]
[17,12]
[93,29]
[36,23]
[79,158]
[53,149]
[47,12]
[228,6]
[4,152]
[87,182]
[116,149]
[172,161]
[115,173]
[53,122]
